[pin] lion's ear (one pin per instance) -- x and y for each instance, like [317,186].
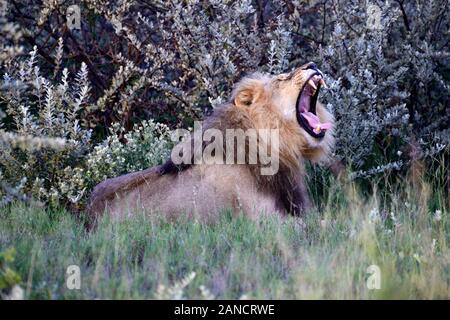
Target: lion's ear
[243,98]
[247,92]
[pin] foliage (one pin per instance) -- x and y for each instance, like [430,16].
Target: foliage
[389,83]
[9,279]
[48,154]
[46,137]
[148,145]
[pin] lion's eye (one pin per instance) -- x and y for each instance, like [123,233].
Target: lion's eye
[283,76]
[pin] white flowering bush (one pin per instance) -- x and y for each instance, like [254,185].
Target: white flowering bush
[9,278]
[389,81]
[48,155]
[147,145]
[41,134]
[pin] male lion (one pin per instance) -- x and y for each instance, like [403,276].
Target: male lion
[286,102]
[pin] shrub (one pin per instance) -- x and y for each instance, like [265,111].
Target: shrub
[389,82]
[148,145]
[49,155]
[44,136]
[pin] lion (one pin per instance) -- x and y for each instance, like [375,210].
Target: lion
[287,103]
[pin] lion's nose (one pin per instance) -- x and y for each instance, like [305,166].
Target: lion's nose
[312,65]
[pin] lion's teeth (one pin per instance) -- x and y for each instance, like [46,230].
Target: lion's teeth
[312,84]
[322,82]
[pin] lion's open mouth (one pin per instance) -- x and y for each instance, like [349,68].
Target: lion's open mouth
[306,107]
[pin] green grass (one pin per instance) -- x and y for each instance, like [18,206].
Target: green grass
[325,255]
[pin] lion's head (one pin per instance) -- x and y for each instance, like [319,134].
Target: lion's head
[292,99]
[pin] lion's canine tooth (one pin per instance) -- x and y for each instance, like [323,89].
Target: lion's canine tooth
[322,82]
[312,84]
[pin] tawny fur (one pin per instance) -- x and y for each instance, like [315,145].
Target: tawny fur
[258,102]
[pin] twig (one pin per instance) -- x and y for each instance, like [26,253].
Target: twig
[405,17]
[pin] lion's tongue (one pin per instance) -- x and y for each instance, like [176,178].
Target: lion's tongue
[314,122]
